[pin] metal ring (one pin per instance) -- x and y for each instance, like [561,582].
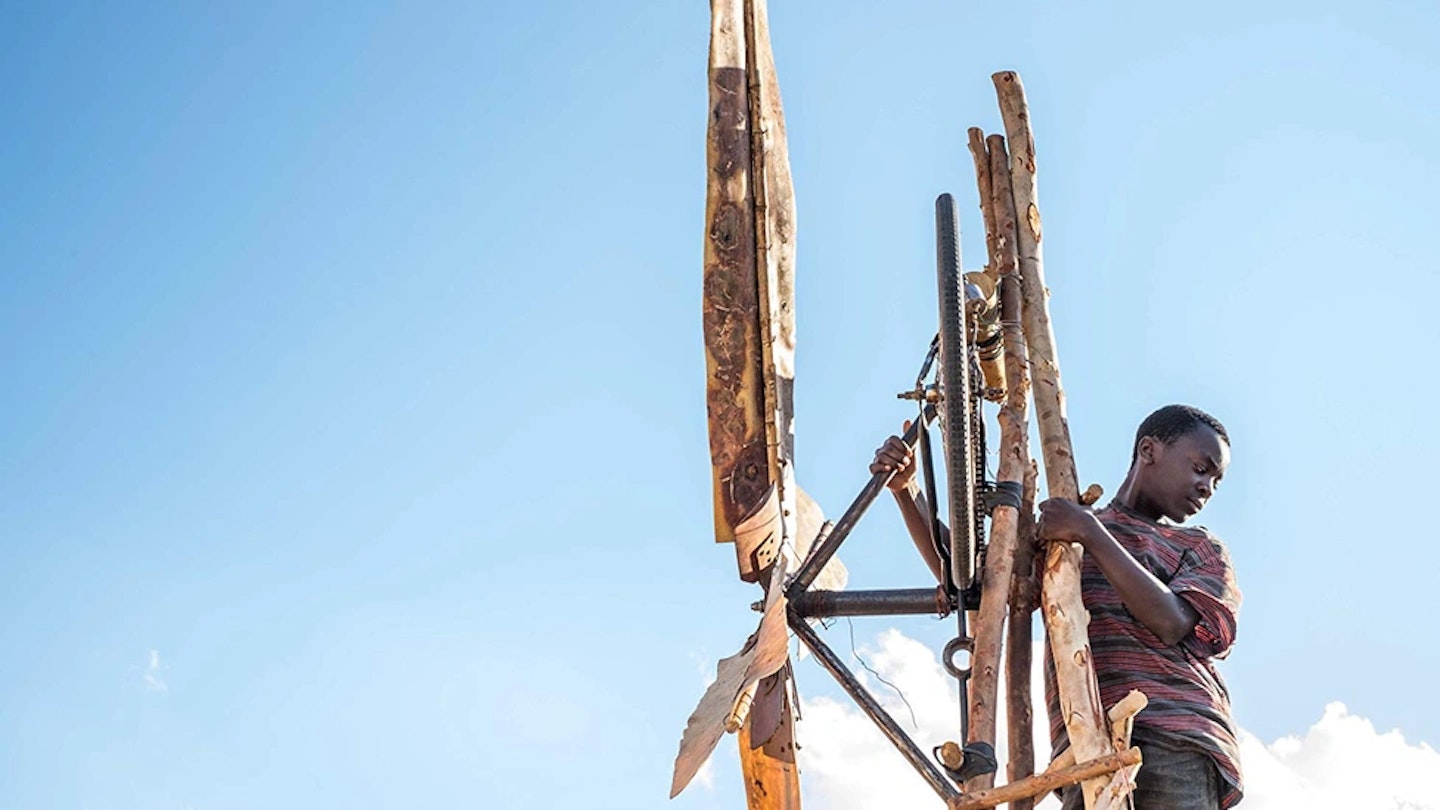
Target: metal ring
[947,657]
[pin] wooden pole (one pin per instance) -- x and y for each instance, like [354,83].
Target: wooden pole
[1066,619]
[992,364]
[1050,780]
[1013,465]
[1021,760]
[983,174]
[1019,707]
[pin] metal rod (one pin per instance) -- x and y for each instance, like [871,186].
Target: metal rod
[965,681]
[823,551]
[932,503]
[897,602]
[887,724]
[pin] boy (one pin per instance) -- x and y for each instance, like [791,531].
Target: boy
[1162,598]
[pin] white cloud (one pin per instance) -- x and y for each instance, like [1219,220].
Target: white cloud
[1340,762]
[153,681]
[846,763]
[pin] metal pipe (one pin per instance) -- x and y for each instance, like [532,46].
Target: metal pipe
[823,551]
[964,676]
[886,723]
[932,503]
[897,602]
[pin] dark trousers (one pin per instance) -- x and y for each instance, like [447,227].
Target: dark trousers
[1168,780]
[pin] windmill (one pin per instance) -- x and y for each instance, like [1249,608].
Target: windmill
[781,538]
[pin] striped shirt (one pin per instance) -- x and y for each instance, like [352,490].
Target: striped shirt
[1189,706]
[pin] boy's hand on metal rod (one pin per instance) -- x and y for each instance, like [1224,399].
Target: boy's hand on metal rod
[895,455]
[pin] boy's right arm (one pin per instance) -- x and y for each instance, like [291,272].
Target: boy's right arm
[895,455]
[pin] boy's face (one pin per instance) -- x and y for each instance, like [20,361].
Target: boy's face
[1180,477]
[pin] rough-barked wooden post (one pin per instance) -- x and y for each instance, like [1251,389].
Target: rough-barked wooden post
[992,361]
[1021,468]
[981,156]
[1019,705]
[1014,462]
[1066,620]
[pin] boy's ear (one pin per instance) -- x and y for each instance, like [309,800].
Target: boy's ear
[1145,450]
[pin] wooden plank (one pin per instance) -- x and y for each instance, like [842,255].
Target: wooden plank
[734,384]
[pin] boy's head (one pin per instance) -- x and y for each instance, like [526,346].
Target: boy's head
[1180,455]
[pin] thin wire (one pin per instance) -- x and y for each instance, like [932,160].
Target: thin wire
[915,724]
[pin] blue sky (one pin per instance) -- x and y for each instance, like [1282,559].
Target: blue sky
[354,446]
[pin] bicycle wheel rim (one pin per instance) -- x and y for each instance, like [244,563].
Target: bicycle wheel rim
[953,377]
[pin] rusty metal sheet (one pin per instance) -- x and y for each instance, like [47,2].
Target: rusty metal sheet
[749,332]
[759,540]
[749,264]
[764,654]
[734,384]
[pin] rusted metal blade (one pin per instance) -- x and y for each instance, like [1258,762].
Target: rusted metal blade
[764,654]
[734,384]
[749,328]
[749,280]
[759,540]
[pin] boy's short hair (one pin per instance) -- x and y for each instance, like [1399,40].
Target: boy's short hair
[1173,421]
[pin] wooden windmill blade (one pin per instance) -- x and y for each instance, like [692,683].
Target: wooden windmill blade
[746,304]
[734,381]
[749,329]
